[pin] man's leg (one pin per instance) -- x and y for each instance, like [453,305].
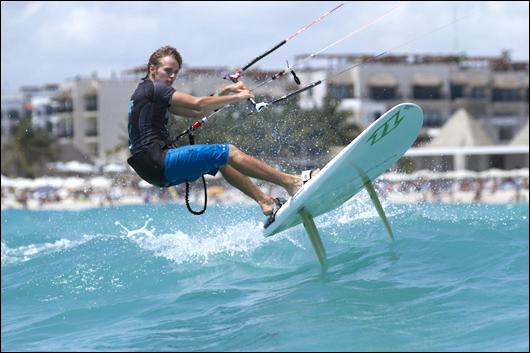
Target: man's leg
[243,183]
[255,168]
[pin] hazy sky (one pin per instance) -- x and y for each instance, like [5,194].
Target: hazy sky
[47,42]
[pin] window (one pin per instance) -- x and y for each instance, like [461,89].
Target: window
[13,114]
[382,93]
[340,91]
[91,132]
[457,91]
[63,106]
[477,92]
[426,92]
[91,103]
[91,127]
[509,114]
[496,161]
[65,128]
[432,118]
[506,95]
[505,134]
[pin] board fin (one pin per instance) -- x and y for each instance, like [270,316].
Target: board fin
[375,200]
[312,231]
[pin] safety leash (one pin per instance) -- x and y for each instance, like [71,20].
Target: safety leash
[191,138]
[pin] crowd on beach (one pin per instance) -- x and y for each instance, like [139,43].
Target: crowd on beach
[74,192]
[467,190]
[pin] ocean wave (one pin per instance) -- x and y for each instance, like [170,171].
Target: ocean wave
[27,252]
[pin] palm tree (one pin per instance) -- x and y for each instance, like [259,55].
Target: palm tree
[26,153]
[280,134]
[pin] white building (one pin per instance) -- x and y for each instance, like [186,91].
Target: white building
[494,90]
[463,144]
[90,115]
[12,111]
[93,112]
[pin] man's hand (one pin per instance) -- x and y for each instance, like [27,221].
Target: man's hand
[238,89]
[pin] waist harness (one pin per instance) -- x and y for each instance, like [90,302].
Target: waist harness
[149,165]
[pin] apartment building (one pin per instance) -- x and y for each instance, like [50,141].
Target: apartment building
[493,90]
[12,111]
[90,114]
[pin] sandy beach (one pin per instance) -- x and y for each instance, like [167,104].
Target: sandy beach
[65,194]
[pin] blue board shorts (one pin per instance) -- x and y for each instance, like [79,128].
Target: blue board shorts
[188,163]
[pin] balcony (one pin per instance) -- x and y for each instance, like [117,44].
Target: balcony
[91,103]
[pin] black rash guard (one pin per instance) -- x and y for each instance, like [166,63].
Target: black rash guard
[148,114]
[148,134]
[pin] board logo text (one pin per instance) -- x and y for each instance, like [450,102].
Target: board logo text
[386,128]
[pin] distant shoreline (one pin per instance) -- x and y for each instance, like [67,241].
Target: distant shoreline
[75,193]
[231,197]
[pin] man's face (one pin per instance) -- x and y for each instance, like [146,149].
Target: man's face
[166,71]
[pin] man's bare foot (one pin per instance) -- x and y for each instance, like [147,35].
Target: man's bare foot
[298,182]
[267,206]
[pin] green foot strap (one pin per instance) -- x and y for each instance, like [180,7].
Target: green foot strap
[312,231]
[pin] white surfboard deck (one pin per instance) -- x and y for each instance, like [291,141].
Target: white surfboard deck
[372,153]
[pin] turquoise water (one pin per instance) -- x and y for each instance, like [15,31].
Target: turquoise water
[153,278]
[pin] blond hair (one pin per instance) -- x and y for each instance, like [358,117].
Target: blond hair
[161,53]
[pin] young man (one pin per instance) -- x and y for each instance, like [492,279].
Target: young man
[163,166]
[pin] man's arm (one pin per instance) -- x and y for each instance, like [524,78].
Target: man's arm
[186,112]
[187,105]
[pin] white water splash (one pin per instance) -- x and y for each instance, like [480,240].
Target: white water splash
[241,240]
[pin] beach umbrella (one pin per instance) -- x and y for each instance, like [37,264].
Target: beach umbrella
[75,183]
[494,173]
[395,177]
[19,183]
[461,174]
[6,182]
[424,174]
[114,168]
[75,167]
[100,182]
[523,172]
[49,181]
